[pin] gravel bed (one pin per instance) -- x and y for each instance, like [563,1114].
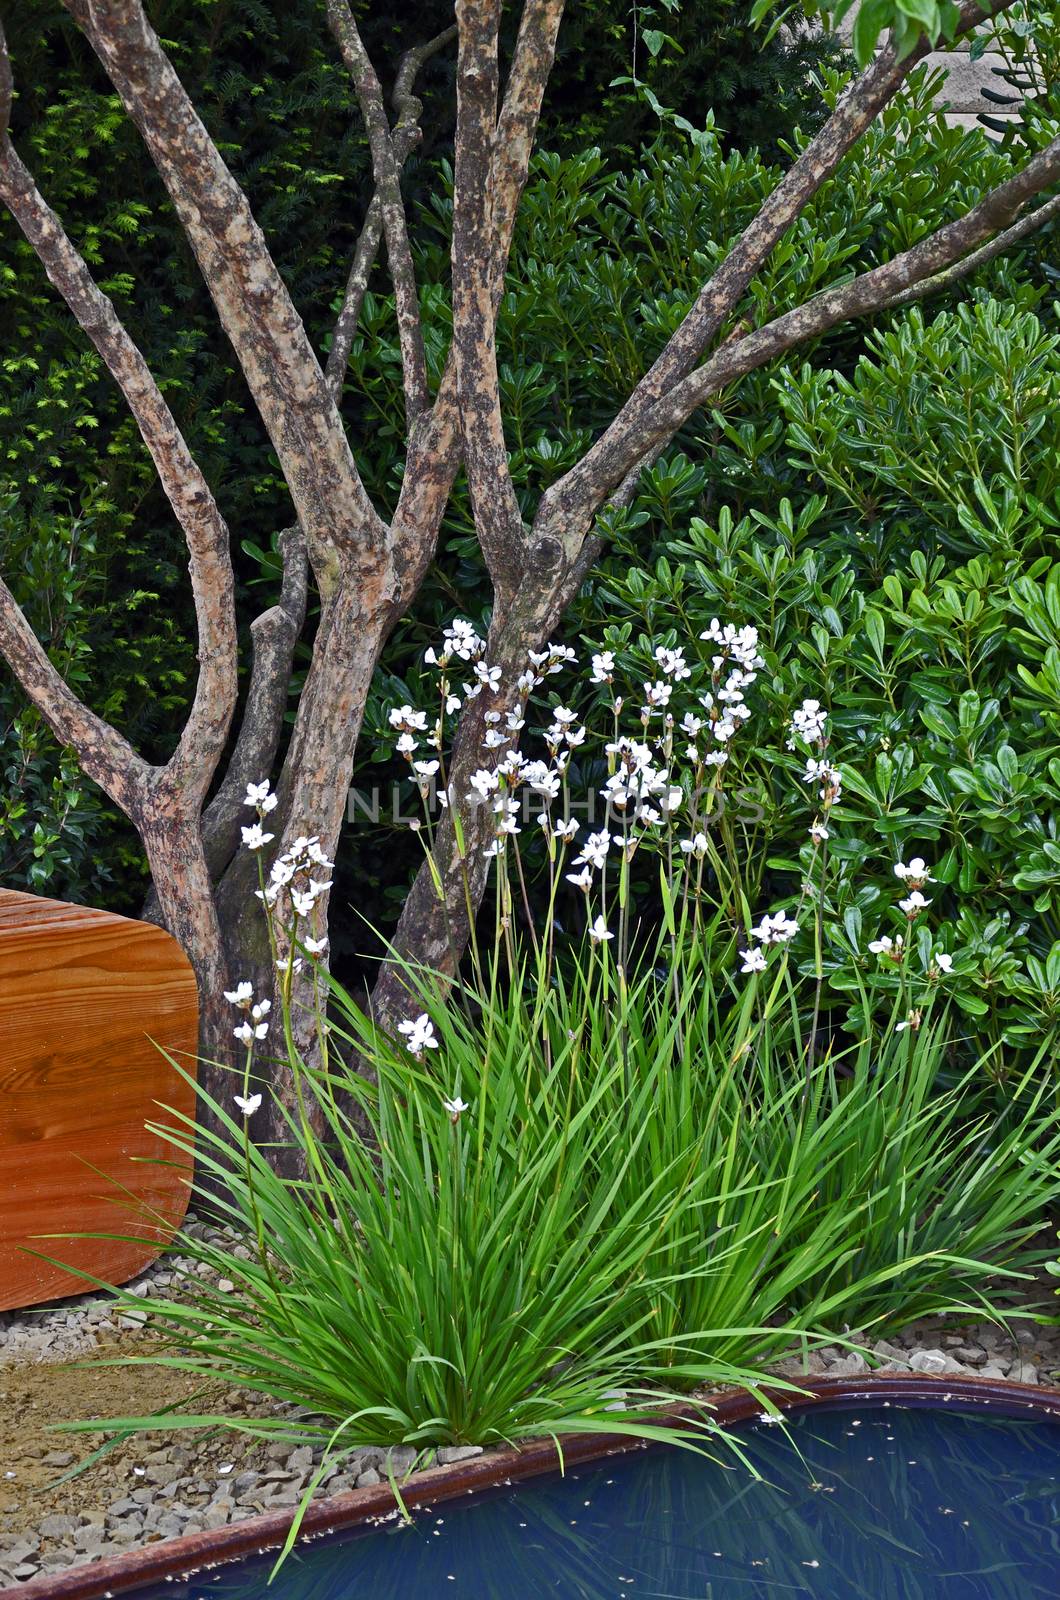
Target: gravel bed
[147,1488]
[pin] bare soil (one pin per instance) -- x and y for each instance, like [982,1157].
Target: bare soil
[36,1460]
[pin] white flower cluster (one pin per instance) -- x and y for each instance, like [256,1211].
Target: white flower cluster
[255,1024]
[914,873]
[808,724]
[734,668]
[419,1035]
[778,928]
[294,870]
[830,778]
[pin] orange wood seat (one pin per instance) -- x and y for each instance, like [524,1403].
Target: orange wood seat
[83,994]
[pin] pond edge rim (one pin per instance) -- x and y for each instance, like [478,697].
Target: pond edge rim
[357,1508]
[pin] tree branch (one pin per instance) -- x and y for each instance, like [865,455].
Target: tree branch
[513,144]
[252,301]
[498,519]
[925,263]
[570,500]
[986,253]
[434,452]
[386,169]
[107,757]
[405,138]
[210,568]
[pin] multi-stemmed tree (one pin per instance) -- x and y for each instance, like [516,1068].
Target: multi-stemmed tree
[365,569]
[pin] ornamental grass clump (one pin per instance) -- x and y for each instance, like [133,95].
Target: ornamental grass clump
[603,1165]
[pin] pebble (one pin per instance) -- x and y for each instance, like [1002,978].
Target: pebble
[449,1454]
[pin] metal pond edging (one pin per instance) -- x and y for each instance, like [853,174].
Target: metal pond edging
[360,1508]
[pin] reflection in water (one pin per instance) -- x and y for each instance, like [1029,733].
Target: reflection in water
[875,1503]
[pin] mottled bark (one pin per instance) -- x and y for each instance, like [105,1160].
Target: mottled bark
[386,169]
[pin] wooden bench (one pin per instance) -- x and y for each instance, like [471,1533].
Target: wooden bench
[83,994]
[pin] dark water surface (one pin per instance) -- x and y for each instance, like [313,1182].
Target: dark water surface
[866,1503]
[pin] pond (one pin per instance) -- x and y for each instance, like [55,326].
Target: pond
[873,1502]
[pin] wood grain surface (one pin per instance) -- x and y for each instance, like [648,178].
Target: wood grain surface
[86,999]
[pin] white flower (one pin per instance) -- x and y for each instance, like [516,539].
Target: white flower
[409,718]
[777,929]
[455,1107]
[911,1021]
[567,830]
[753,961]
[914,903]
[255,838]
[424,770]
[886,946]
[260,797]
[672,663]
[582,879]
[542,779]
[819,833]
[282,962]
[658,694]
[691,724]
[483,784]
[808,723]
[452,702]
[248,1104]
[261,1010]
[419,1034]
[916,872]
[406,745]
[739,644]
[598,932]
[303,903]
[316,947]
[490,677]
[241,995]
[943,961]
[247,1032]
[494,739]
[603,666]
[717,758]
[696,846]
[462,640]
[594,850]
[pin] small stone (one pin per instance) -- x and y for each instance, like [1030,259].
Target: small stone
[58,1458]
[57,1527]
[123,1507]
[933,1362]
[365,1480]
[851,1365]
[991,1370]
[1023,1372]
[225,1286]
[449,1454]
